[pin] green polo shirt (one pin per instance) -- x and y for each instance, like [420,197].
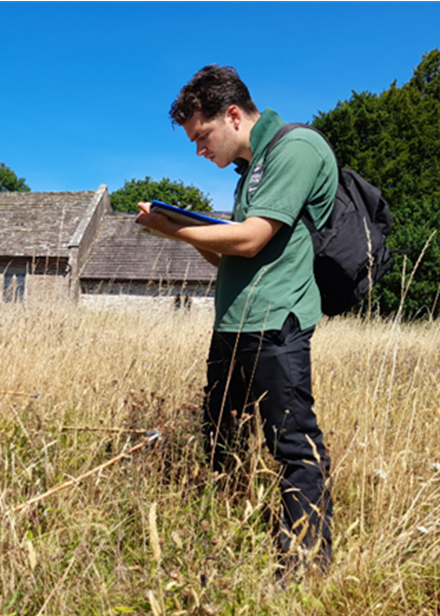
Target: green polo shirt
[258,294]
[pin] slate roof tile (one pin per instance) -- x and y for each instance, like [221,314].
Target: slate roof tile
[122,251]
[40,224]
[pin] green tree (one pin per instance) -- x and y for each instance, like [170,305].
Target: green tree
[10,182]
[393,140]
[175,193]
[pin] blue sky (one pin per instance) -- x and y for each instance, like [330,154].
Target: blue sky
[86,87]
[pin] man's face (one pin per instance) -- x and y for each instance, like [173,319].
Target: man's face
[217,139]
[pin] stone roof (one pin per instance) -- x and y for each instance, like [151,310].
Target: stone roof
[122,251]
[41,224]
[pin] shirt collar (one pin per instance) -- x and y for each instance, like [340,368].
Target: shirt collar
[241,165]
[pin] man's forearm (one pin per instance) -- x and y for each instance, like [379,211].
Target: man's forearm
[212,257]
[244,240]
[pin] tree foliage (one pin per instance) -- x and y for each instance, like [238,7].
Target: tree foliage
[393,140]
[175,193]
[10,182]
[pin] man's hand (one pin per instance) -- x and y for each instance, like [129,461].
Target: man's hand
[144,207]
[155,221]
[166,226]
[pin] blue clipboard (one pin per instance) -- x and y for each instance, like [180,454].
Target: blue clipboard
[185,216]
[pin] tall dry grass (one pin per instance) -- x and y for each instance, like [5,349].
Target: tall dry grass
[155,532]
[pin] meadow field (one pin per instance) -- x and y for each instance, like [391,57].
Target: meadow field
[108,506]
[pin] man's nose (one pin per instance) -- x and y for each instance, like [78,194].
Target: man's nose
[200,150]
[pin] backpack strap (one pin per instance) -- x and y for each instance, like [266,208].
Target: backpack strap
[287,128]
[280,134]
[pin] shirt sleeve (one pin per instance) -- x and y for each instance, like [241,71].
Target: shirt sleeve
[288,180]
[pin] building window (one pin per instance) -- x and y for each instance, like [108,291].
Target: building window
[13,287]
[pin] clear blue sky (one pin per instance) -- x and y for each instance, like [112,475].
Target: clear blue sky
[85,87]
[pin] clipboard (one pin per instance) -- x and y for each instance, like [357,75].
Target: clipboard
[184,217]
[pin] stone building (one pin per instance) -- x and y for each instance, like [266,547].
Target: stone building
[125,260]
[71,244]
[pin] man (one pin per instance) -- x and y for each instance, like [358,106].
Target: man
[267,301]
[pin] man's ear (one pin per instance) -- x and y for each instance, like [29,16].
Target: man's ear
[234,115]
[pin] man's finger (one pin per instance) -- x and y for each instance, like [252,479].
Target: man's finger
[145,207]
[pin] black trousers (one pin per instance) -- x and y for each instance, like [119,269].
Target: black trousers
[274,369]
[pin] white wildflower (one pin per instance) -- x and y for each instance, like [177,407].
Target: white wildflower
[423,529]
[380,474]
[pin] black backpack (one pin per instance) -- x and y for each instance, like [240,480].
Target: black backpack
[350,250]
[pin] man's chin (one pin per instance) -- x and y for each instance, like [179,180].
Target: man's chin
[221,164]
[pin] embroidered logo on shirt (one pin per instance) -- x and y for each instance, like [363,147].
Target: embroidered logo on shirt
[255,179]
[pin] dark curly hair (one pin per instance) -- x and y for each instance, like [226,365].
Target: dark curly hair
[211,91]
